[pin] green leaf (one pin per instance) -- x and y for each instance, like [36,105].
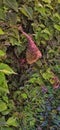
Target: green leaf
[47,75]
[47,1]
[6,69]
[41,10]
[3,84]
[57,68]
[2,53]
[2,14]
[11,4]
[12,122]
[27,11]
[5,98]
[6,128]
[32,80]
[58,1]
[32,122]
[56,16]
[56,26]
[3,106]
[24,95]
[23,11]
[1,32]
[1,2]
[46,30]
[49,6]
[14,41]
[2,121]
[14,37]
[12,18]
[45,36]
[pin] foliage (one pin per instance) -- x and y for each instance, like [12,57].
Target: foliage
[29,94]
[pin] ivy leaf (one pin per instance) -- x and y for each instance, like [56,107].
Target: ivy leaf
[56,16]
[24,95]
[57,68]
[47,75]
[27,11]
[1,2]
[56,26]
[12,18]
[1,32]
[2,14]
[12,122]
[3,84]
[6,69]
[45,36]
[2,121]
[2,53]
[3,106]
[47,1]
[46,30]
[41,10]
[11,4]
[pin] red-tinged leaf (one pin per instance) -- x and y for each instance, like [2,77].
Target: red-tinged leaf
[32,52]
[56,82]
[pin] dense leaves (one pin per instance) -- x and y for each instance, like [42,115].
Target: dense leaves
[29,94]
